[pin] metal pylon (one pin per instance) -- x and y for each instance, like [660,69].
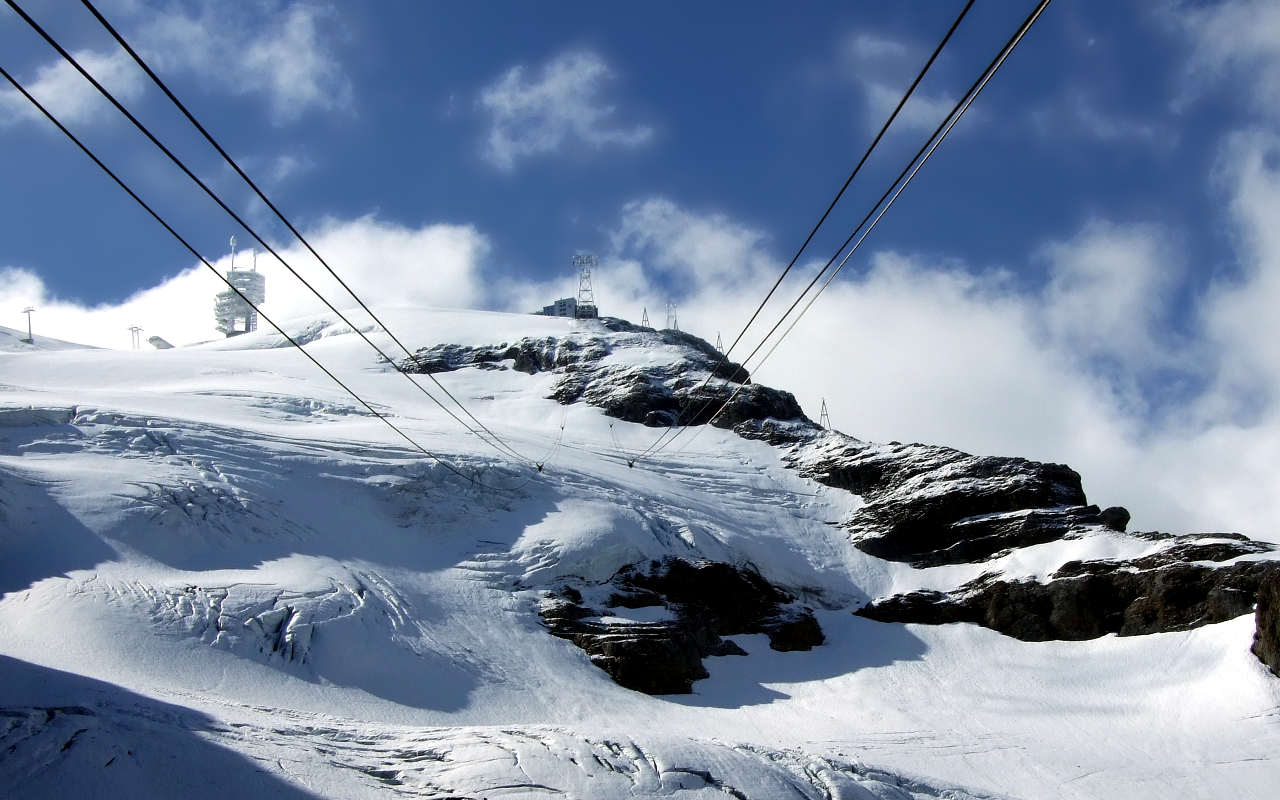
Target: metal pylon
[824,419]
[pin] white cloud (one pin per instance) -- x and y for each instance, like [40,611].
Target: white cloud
[66,93]
[276,170]
[561,107]
[883,69]
[698,250]
[1241,309]
[278,52]
[387,264]
[1076,113]
[281,54]
[1109,294]
[1237,39]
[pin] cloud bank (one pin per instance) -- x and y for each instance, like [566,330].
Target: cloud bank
[386,264]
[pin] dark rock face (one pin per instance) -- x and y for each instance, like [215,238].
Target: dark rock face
[1266,641]
[933,505]
[707,600]
[1116,518]
[654,394]
[1092,602]
[1185,550]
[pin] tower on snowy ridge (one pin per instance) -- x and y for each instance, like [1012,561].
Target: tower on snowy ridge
[586,308]
[584,305]
[231,313]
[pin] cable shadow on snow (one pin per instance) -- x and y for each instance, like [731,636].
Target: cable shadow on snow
[852,644]
[65,735]
[39,538]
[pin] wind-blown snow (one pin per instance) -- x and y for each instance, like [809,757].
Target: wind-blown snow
[222,574]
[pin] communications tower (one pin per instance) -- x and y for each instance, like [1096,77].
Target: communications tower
[586,308]
[232,314]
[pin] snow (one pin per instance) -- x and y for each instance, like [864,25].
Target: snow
[228,576]
[15,341]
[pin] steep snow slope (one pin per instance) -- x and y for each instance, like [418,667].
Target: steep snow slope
[220,573]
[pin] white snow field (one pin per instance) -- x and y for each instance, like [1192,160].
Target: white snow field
[222,577]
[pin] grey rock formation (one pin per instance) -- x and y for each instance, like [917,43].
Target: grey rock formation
[654,394]
[924,505]
[930,505]
[1266,641]
[707,600]
[1116,518]
[1087,602]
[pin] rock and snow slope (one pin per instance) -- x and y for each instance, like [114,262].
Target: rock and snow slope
[220,574]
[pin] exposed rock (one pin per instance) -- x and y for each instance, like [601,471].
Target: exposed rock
[1116,518]
[1091,603]
[1187,550]
[1266,641]
[706,599]
[924,505]
[658,393]
[931,505]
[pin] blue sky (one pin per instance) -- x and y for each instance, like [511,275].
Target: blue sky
[745,110]
[1084,272]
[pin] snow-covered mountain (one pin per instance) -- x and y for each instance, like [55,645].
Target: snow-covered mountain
[220,574]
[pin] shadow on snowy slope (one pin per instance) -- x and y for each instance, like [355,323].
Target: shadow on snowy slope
[763,675]
[64,735]
[38,537]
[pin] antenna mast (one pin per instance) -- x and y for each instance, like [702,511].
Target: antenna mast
[644,318]
[30,339]
[586,297]
[824,419]
[231,313]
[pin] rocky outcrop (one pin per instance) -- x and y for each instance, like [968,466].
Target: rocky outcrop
[924,505]
[1085,600]
[651,392]
[702,601]
[1116,518]
[1266,641]
[930,505]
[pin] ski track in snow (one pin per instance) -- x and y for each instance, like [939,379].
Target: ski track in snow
[221,574]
